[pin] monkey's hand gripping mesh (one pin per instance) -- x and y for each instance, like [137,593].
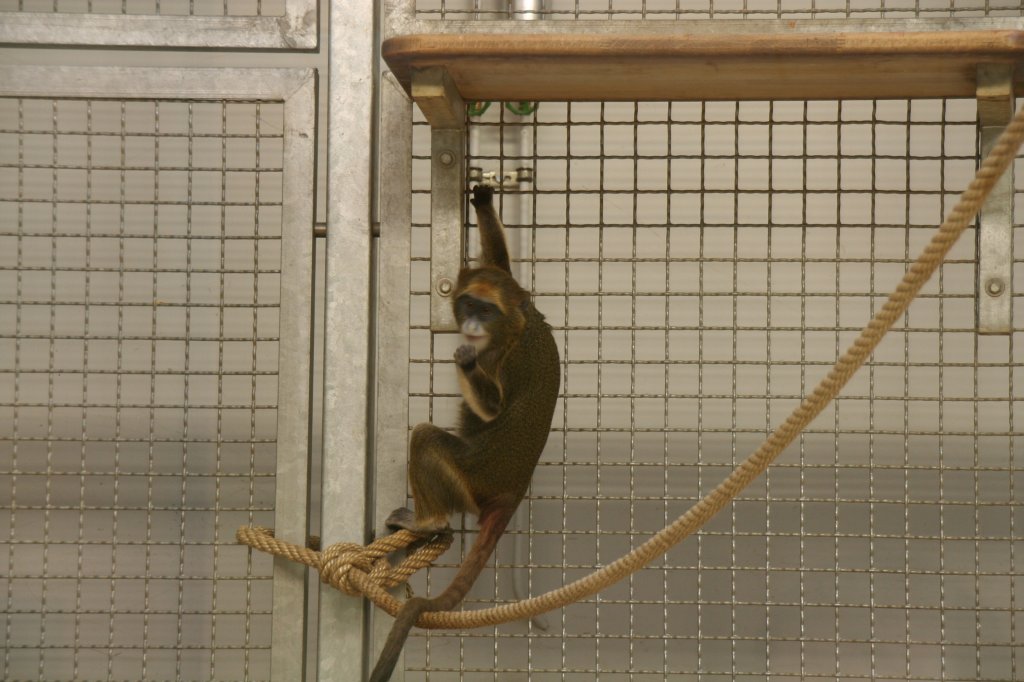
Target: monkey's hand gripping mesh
[355,569]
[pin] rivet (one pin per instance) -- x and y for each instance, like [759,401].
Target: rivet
[995,286]
[445,286]
[446,158]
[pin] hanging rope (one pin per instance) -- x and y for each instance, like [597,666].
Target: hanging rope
[356,569]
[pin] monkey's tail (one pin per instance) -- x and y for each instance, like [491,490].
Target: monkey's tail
[404,621]
[491,528]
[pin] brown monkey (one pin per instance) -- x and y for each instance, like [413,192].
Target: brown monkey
[509,376]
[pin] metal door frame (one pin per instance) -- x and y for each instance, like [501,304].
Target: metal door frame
[296,29]
[297,89]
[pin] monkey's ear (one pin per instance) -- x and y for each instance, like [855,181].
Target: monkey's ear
[482,196]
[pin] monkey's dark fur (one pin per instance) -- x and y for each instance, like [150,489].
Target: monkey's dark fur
[509,374]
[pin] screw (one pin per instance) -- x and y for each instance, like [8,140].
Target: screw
[446,158]
[445,286]
[994,286]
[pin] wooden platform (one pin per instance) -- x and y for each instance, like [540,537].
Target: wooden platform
[796,66]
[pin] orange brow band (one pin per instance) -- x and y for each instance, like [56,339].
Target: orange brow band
[486,292]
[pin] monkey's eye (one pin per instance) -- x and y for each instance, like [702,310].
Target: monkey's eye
[485,311]
[468,306]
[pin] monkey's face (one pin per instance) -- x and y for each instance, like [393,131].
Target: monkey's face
[477,317]
[489,308]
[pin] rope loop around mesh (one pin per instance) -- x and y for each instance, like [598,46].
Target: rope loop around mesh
[365,571]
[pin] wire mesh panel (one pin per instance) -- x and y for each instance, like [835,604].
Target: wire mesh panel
[255,24]
[226,8]
[141,264]
[716,9]
[703,265]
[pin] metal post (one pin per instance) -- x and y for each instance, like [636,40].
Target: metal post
[393,302]
[288,655]
[392,423]
[342,631]
[995,225]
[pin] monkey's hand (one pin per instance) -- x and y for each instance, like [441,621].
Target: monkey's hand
[465,357]
[483,196]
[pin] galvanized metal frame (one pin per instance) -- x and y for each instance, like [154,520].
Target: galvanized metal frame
[296,29]
[995,222]
[295,396]
[712,10]
[392,305]
[405,22]
[155,83]
[348,326]
[297,89]
[436,95]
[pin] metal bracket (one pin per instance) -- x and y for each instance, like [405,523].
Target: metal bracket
[510,180]
[995,224]
[441,104]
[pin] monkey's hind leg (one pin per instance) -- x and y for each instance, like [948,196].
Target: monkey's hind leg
[438,485]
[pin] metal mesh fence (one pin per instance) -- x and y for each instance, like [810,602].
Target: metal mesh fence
[719,9]
[197,8]
[139,261]
[703,264]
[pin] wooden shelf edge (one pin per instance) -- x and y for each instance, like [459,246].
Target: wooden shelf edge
[626,67]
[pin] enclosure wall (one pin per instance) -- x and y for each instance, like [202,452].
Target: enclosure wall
[703,264]
[145,239]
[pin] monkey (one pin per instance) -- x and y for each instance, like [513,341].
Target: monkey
[508,372]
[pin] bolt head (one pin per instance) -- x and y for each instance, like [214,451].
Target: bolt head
[446,158]
[995,286]
[445,286]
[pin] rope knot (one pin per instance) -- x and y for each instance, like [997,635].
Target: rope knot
[338,560]
[354,569]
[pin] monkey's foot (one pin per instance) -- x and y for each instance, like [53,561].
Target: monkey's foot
[482,196]
[405,519]
[465,356]
[401,518]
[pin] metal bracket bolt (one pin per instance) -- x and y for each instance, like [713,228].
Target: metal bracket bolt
[995,287]
[445,286]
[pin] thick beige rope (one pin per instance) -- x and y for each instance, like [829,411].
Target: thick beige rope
[354,569]
[916,276]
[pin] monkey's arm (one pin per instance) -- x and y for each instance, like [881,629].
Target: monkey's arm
[482,393]
[493,250]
